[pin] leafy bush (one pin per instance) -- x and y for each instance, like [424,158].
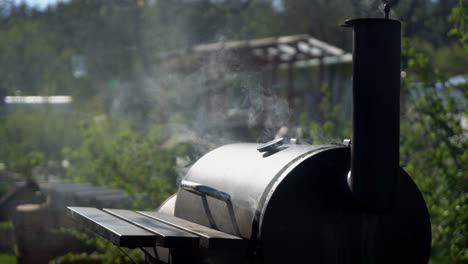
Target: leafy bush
[105,252]
[117,154]
[29,139]
[332,126]
[433,150]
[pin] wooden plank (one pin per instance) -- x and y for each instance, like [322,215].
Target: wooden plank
[167,235]
[119,232]
[209,238]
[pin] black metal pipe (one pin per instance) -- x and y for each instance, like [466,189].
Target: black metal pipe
[376,116]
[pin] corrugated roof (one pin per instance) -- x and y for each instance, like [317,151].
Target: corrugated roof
[296,50]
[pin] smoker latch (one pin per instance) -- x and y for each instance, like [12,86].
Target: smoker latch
[347,142]
[271,146]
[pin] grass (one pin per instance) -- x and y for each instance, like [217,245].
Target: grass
[7,258]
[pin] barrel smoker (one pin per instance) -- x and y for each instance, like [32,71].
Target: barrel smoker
[292,203]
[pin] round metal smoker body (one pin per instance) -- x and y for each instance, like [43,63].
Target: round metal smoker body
[246,175]
[295,205]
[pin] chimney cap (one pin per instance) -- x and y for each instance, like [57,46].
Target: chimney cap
[356,21]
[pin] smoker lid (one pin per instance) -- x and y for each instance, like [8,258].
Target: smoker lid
[228,188]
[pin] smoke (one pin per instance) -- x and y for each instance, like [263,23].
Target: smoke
[374,8]
[207,100]
[219,102]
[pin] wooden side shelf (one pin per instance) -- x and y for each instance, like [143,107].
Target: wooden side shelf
[125,228]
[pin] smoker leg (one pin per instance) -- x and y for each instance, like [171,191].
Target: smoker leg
[156,255]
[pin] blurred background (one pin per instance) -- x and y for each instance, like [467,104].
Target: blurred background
[108,103]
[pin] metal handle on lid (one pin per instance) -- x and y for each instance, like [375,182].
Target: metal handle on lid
[201,189]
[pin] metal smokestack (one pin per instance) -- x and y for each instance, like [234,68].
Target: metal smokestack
[376,123]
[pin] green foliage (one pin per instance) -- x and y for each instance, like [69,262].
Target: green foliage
[433,150]
[330,127]
[426,19]
[119,155]
[105,252]
[451,59]
[459,18]
[29,139]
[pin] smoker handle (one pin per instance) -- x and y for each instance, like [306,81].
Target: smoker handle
[201,189]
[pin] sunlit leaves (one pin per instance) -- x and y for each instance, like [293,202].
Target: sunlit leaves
[434,151]
[459,18]
[116,154]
